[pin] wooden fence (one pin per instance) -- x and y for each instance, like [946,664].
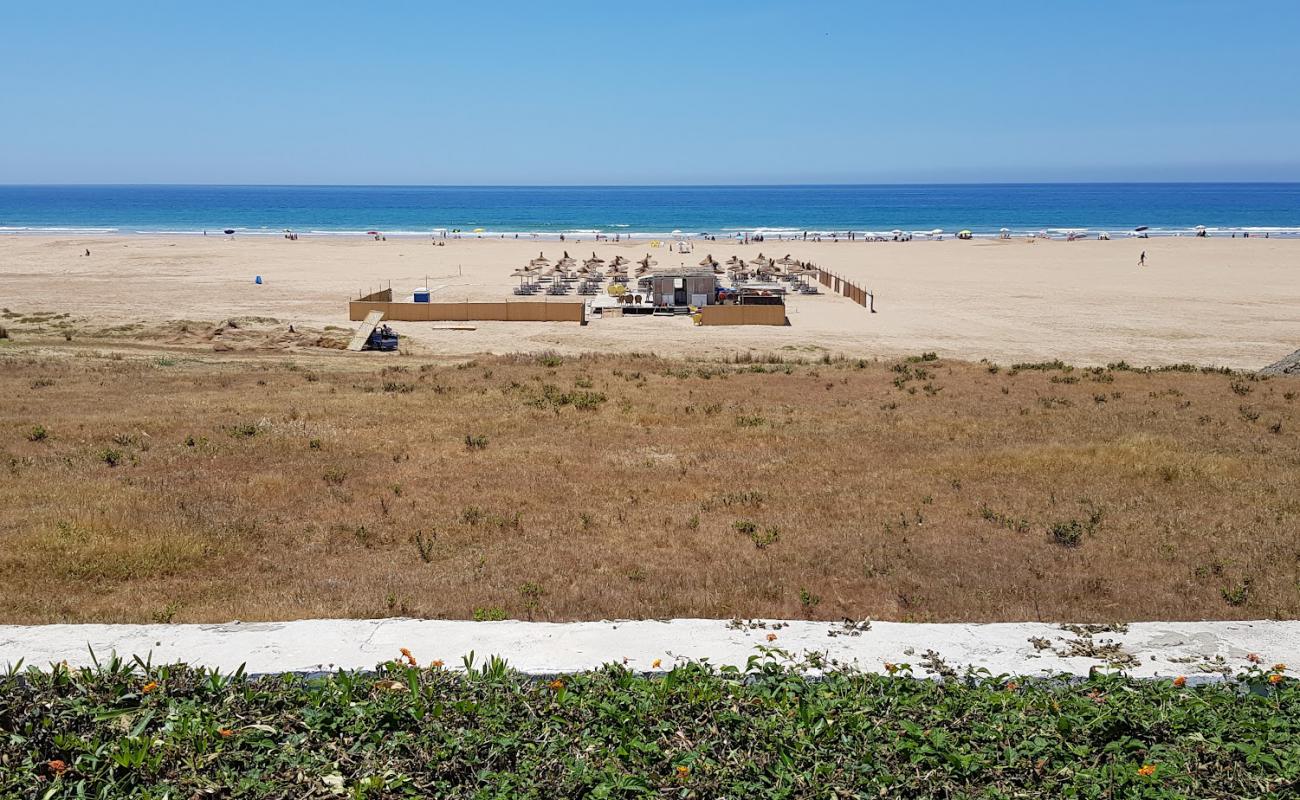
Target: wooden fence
[840,286]
[743,315]
[522,311]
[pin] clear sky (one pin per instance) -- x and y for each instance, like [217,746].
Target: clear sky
[708,91]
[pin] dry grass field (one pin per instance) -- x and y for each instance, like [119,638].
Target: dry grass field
[142,485]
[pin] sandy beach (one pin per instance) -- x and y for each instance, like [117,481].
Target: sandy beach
[1218,301]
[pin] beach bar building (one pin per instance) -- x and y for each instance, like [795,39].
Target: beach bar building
[683,287]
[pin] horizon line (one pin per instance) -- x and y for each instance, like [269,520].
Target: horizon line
[636,185]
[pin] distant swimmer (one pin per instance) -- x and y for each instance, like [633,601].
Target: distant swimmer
[1142,259]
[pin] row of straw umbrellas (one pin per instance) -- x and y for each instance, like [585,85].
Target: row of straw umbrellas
[619,269]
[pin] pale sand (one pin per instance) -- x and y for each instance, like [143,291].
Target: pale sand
[1227,302]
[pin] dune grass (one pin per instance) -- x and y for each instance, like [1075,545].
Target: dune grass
[182,486]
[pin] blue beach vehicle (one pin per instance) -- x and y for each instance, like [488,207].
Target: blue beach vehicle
[382,338]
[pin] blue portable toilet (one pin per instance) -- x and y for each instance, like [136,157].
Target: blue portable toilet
[258,280]
[421,295]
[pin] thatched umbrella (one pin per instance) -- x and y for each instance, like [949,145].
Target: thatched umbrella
[595,259]
[711,264]
[786,261]
[541,259]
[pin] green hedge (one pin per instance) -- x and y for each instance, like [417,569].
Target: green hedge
[136,730]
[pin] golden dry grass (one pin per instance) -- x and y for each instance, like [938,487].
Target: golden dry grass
[261,488]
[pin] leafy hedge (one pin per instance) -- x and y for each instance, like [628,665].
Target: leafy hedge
[137,730]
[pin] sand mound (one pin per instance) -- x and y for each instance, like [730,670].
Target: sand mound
[266,333]
[236,333]
[1287,366]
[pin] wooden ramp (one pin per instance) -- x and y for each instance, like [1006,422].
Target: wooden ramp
[364,330]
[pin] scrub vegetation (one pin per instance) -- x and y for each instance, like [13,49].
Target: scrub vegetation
[145,483]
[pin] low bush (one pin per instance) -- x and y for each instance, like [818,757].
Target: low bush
[125,730]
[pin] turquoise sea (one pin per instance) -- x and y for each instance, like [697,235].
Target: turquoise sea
[1166,208]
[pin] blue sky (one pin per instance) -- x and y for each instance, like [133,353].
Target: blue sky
[708,91]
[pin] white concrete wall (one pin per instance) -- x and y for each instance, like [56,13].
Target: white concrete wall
[1194,649]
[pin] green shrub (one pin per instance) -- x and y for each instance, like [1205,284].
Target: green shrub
[763,730]
[244,430]
[1068,533]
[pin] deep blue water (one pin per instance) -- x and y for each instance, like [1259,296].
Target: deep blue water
[983,208]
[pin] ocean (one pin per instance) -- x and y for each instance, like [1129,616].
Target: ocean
[653,211]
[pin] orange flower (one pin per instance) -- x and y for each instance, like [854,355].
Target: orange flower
[56,766]
[1180,681]
[1275,679]
[655,664]
[891,668]
[1147,770]
[437,663]
[1012,686]
[405,652]
[1254,658]
[149,687]
[1279,667]
[556,685]
[683,772]
[771,637]
[225,733]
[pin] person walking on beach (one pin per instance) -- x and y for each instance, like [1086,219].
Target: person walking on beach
[1142,259]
